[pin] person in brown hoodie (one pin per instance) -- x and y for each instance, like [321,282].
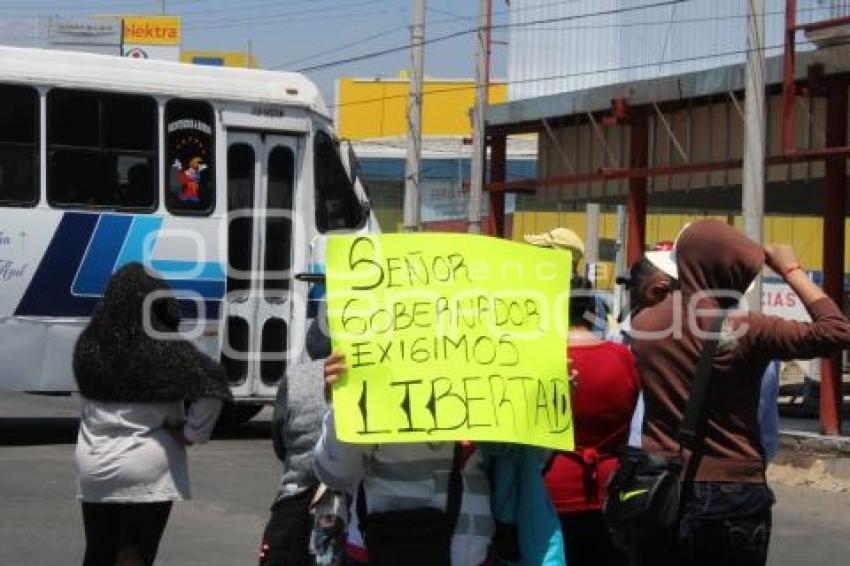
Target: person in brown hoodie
[726,517]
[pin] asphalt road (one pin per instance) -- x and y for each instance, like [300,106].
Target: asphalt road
[233,481]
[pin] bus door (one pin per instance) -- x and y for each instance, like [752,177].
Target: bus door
[258,305]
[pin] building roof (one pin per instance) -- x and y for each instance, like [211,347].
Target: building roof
[519,147]
[83,70]
[515,114]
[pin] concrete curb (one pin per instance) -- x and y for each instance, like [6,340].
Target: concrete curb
[828,456]
[813,443]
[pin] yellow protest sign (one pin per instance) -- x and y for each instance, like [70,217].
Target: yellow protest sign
[449,337]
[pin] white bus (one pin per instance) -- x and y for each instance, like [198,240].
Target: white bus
[222,180]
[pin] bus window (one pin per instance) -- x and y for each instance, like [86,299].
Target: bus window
[281,177]
[240,228]
[18,145]
[101,150]
[337,206]
[189,158]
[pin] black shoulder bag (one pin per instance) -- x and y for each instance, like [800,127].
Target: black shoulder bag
[413,537]
[645,495]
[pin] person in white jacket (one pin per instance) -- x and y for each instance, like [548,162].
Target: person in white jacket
[131,446]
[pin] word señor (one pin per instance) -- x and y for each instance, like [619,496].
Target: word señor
[412,270]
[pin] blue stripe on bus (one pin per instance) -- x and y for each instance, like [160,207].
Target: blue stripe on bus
[49,292]
[203,277]
[99,261]
[87,248]
[195,271]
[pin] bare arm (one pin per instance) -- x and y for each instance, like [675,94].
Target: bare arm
[783,261]
[773,337]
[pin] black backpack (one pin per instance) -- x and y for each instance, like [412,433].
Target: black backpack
[645,495]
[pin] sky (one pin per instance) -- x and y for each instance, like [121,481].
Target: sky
[294,34]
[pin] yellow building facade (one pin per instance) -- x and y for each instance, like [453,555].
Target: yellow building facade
[377,108]
[804,233]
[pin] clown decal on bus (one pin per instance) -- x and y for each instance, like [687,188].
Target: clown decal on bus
[189,139]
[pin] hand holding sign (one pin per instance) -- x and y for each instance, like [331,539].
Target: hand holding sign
[448,337]
[334,368]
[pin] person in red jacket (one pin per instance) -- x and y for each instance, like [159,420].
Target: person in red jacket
[605,390]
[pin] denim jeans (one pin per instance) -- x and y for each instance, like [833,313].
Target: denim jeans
[722,523]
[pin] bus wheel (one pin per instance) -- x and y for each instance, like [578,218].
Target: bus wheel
[233,415]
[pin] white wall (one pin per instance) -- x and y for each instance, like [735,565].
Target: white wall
[548,57]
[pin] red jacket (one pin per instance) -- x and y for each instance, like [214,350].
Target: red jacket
[602,403]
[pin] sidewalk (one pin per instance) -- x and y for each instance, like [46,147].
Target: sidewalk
[804,434]
[807,457]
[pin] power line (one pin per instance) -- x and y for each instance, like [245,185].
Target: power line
[251,7]
[228,22]
[654,23]
[452,15]
[381,53]
[582,73]
[666,22]
[467,31]
[83,7]
[315,18]
[541,7]
[376,35]
[611,12]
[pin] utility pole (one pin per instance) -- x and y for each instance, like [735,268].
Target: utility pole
[482,79]
[620,262]
[753,175]
[591,240]
[162,6]
[414,119]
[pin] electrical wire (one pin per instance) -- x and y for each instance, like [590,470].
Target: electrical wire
[252,7]
[381,52]
[610,12]
[315,18]
[228,22]
[87,7]
[366,39]
[664,22]
[467,31]
[584,73]
[519,9]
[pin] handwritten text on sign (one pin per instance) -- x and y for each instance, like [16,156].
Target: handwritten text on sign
[449,337]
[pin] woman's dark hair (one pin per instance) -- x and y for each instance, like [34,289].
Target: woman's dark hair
[640,271]
[582,302]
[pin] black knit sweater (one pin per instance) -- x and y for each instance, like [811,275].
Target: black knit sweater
[117,359]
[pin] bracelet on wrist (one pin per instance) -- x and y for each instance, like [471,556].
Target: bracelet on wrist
[791,269]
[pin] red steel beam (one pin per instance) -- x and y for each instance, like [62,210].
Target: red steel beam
[823,24]
[636,204]
[831,396]
[788,85]
[530,185]
[498,163]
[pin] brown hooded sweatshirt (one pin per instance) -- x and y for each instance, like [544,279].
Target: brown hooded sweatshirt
[712,256]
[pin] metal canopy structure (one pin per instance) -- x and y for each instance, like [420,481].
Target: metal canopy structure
[683,133]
